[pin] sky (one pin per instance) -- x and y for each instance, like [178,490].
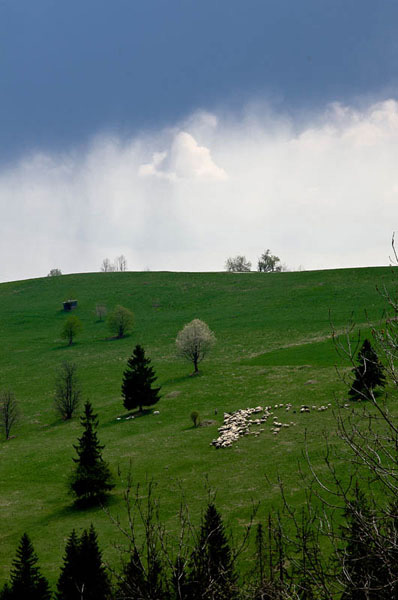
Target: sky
[183,132]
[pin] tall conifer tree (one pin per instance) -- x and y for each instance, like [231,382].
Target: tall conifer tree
[362,565]
[26,579]
[212,575]
[83,574]
[69,579]
[91,479]
[137,390]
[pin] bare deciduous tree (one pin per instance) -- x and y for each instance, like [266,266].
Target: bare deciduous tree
[9,412]
[67,390]
[100,311]
[238,264]
[121,263]
[107,266]
[194,341]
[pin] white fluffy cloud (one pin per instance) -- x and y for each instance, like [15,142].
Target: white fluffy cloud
[321,193]
[185,160]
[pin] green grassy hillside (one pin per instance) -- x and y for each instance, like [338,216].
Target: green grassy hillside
[274,346]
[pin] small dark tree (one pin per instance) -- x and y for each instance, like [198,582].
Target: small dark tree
[5,593]
[91,478]
[143,575]
[368,374]
[95,580]
[363,572]
[26,579]
[8,412]
[68,586]
[83,575]
[141,580]
[67,390]
[138,378]
[71,328]
[212,574]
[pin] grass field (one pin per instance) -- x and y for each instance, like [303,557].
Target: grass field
[273,346]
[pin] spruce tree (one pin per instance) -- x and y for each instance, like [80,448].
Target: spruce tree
[144,580]
[91,478]
[95,580]
[137,390]
[26,580]
[133,581]
[212,574]
[368,374]
[69,579]
[363,569]
[5,593]
[83,574]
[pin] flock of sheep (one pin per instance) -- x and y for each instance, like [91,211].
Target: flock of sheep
[238,423]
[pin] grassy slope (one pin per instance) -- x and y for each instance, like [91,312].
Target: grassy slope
[272,335]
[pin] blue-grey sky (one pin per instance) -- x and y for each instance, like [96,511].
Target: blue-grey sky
[100,82]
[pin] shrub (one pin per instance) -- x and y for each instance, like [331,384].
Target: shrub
[195,418]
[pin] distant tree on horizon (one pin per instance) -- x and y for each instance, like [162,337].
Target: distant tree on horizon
[269,263]
[121,263]
[54,273]
[238,264]
[107,266]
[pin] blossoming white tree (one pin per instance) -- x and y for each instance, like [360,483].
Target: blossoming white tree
[194,341]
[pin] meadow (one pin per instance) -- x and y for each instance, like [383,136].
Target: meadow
[274,346]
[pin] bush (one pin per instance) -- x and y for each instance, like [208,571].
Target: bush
[195,418]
